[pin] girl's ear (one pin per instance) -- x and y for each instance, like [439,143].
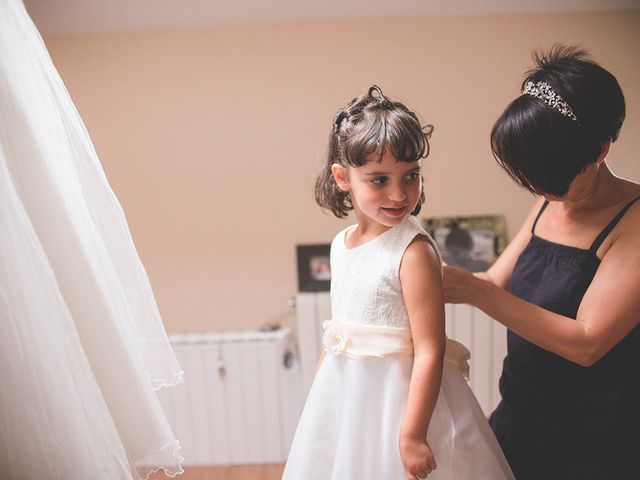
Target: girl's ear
[341,176]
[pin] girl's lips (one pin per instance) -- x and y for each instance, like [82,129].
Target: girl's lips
[394,212]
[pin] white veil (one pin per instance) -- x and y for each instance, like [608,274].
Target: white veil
[82,345]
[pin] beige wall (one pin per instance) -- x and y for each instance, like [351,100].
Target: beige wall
[211,138]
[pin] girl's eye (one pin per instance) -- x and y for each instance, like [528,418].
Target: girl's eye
[412,176]
[379,180]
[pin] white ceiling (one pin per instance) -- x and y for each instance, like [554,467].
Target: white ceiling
[59,17]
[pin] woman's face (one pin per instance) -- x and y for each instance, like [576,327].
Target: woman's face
[581,187]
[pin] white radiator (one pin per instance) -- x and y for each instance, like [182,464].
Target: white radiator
[485,338]
[241,398]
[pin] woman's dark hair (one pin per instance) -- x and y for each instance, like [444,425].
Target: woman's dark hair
[369,125]
[544,150]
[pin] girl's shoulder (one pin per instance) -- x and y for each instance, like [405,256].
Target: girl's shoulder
[339,238]
[416,235]
[409,237]
[421,255]
[407,230]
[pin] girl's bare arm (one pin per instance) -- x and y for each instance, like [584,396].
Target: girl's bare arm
[421,281]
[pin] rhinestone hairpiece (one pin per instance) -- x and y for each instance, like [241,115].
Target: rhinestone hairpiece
[548,95]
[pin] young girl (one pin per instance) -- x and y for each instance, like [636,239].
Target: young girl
[387,403]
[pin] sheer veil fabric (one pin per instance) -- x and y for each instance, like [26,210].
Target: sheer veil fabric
[82,345]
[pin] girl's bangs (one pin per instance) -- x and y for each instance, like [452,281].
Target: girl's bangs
[401,134]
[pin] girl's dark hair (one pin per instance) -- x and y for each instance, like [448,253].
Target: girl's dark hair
[369,125]
[544,150]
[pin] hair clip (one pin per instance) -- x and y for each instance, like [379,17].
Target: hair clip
[377,90]
[340,116]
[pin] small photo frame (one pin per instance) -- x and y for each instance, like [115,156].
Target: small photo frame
[314,268]
[471,242]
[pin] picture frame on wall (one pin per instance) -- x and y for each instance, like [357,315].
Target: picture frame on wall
[314,268]
[473,242]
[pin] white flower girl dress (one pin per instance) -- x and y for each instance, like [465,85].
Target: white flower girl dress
[350,425]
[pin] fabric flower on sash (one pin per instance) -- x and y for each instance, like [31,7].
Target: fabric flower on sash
[335,338]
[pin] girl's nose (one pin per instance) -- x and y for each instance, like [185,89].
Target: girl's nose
[397,194]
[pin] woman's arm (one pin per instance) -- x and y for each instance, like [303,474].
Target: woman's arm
[422,293]
[500,272]
[458,291]
[609,310]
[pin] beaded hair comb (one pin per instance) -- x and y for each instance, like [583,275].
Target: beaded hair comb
[548,95]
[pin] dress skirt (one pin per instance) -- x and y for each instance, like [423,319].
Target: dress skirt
[350,425]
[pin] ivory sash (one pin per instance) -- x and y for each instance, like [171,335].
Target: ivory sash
[360,341]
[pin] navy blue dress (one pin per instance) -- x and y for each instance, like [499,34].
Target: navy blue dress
[557,419]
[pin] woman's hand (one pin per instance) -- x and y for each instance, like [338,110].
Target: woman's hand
[417,458]
[460,285]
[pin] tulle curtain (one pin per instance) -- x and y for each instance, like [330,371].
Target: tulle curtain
[82,345]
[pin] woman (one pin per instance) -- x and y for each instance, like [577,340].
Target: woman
[568,285]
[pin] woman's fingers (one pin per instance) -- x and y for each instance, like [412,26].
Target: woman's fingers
[456,283]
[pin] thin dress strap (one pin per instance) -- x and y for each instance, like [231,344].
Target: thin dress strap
[607,230]
[535,222]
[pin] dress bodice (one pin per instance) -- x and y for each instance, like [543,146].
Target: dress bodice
[365,281]
[370,318]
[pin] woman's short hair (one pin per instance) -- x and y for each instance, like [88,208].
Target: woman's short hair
[544,150]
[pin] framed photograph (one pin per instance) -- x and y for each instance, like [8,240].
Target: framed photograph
[314,268]
[472,242]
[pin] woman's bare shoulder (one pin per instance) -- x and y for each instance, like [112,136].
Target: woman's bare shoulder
[626,233]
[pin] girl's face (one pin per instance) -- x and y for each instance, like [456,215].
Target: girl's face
[382,192]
